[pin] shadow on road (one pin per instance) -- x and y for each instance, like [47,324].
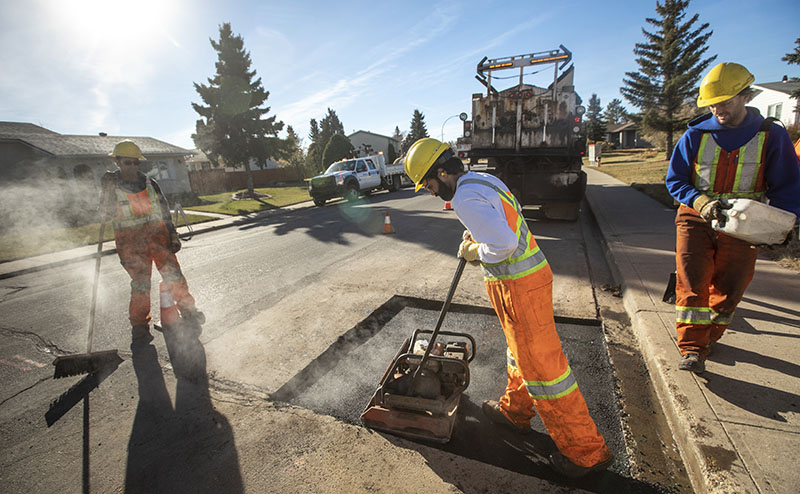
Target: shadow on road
[186,448]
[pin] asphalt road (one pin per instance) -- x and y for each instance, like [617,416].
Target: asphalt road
[277,293]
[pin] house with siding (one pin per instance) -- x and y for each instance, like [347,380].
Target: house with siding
[774,99]
[371,143]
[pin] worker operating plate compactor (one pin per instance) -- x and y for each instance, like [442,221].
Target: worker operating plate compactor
[419,393]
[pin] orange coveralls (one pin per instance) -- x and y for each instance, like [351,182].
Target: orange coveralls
[142,238]
[520,290]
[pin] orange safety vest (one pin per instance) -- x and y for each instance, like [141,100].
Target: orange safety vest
[528,257]
[137,209]
[738,173]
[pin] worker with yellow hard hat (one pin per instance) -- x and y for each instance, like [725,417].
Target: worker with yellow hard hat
[731,152]
[144,234]
[519,282]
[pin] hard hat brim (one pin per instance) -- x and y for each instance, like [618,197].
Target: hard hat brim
[417,187]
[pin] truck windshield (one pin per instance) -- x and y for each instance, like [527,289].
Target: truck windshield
[342,166]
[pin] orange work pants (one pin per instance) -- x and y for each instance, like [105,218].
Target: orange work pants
[538,372]
[138,248]
[713,271]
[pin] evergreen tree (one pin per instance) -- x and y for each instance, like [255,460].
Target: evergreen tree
[295,156]
[615,113]
[670,65]
[416,132]
[595,125]
[232,124]
[391,154]
[320,134]
[794,58]
[314,154]
[338,147]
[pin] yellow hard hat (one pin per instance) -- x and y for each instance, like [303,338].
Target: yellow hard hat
[422,155]
[127,149]
[723,82]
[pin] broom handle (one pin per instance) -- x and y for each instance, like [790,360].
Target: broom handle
[97,271]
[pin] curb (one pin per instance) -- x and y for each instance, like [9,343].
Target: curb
[695,426]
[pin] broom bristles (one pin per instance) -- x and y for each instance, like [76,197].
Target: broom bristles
[84,363]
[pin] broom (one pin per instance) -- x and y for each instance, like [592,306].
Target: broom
[89,362]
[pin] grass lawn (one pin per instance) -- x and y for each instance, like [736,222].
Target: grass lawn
[41,241]
[277,197]
[646,170]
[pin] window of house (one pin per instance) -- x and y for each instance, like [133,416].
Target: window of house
[775,110]
[162,170]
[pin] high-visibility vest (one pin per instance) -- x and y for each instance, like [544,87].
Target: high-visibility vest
[137,209]
[738,173]
[528,257]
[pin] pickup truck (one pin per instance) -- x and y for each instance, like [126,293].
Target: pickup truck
[351,177]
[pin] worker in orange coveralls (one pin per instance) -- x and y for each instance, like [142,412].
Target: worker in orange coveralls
[144,234]
[519,283]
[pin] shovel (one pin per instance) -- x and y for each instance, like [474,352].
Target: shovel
[89,362]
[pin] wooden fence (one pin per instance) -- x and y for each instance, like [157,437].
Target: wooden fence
[215,181]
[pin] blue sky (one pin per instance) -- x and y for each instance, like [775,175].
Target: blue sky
[128,67]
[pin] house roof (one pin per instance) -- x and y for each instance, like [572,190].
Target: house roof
[77,146]
[784,87]
[621,127]
[371,133]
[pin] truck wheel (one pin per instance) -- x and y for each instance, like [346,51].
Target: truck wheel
[351,194]
[562,210]
[319,202]
[394,183]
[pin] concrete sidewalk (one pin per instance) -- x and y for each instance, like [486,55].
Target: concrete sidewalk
[737,424]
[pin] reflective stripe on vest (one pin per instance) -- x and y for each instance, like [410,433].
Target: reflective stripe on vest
[547,390]
[713,168]
[527,258]
[137,209]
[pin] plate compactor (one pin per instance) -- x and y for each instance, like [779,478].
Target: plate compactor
[419,393]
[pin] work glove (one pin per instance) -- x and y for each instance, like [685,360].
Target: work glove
[710,209]
[468,250]
[175,242]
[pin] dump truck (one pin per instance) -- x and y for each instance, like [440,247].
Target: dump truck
[533,138]
[351,177]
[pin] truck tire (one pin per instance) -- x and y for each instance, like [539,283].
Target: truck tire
[562,210]
[351,192]
[393,183]
[319,202]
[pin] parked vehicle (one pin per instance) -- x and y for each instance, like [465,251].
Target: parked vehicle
[349,178]
[532,138]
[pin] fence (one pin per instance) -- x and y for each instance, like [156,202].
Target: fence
[205,182]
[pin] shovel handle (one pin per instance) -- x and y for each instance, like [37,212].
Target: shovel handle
[96,282]
[460,269]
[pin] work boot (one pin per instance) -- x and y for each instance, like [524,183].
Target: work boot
[692,361]
[193,316]
[140,334]
[567,468]
[491,410]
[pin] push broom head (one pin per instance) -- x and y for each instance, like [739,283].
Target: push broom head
[85,363]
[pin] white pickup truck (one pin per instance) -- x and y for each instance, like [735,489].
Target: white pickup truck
[351,177]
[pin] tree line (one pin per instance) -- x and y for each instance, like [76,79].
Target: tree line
[234,127]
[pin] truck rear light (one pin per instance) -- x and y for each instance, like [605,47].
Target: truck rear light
[577,119]
[580,110]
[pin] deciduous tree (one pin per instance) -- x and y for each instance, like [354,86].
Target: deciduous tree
[338,147]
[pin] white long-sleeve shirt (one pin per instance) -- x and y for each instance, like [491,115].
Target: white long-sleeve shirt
[480,210]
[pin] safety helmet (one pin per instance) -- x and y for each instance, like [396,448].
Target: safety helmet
[422,155]
[723,82]
[127,149]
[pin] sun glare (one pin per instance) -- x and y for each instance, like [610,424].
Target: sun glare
[117,22]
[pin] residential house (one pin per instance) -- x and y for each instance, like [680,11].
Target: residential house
[371,143]
[37,162]
[773,99]
[624,135]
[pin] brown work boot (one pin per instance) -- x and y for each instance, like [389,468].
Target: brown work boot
[491,409]
[193,316]
[692,361]
[567,468]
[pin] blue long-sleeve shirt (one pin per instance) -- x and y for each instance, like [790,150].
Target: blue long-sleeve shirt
[781,168]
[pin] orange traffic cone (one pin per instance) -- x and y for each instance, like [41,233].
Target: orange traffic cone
[447,206]
[169,311]
[387,224]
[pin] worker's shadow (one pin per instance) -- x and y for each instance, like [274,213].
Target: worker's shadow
[186,448]
[764,401]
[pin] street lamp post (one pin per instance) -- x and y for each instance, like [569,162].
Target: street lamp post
[463,116]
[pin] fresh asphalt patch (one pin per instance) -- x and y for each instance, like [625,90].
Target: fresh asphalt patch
[341,381]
